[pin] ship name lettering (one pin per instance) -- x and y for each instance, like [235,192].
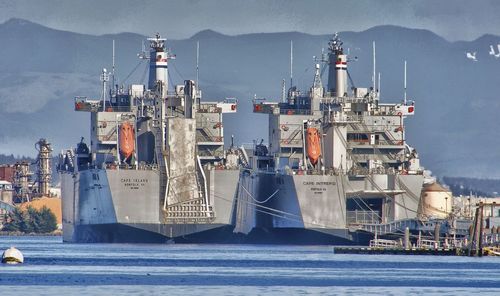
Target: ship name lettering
[140,180]
[326,183]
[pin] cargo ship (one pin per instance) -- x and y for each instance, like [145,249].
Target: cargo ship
[337,167]
[155,168]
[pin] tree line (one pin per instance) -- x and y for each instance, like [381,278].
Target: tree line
[31,220]
[480,187]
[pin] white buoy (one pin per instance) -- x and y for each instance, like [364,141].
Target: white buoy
[12,256]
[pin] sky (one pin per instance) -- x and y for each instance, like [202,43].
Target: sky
[451,19]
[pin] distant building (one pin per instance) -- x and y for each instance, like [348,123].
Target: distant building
[7,172]
[465,206]
[6,191]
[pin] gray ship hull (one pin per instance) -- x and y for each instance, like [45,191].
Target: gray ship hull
[314,209]
[124,206]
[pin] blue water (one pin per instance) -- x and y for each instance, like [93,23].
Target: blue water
[53,268]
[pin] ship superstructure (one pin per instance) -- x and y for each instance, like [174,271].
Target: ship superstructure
[337,161]
[156,168]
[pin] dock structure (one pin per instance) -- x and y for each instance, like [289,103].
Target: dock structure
[395,251]
[481,242]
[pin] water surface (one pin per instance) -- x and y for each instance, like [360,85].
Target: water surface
[53,268]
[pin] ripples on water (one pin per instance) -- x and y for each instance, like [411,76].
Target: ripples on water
[53,268]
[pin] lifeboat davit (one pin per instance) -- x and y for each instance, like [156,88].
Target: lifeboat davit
[313,143]
[127,140]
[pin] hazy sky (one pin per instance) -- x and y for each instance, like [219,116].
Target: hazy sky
[452,19]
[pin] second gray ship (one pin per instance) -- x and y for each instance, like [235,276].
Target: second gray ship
[337,167]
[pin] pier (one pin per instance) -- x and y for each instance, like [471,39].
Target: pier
[480,242]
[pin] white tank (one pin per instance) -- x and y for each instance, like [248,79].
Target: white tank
[436,201]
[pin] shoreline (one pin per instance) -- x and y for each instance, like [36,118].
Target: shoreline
[9,233]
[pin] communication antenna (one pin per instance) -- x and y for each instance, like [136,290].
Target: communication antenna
[113,70]
[291,63]
[405,85]
[379,84]
[283,91]
[104,78]
[374,79]
[197,62]
[143,55]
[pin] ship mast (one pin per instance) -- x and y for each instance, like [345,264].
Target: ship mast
[104,79]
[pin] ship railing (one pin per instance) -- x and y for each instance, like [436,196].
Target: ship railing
[384,243]
[344,118]
[111,108]
[382,171]
[329,172]
[127,167]
[143,167]
[428,244]
[295,111]
[358,125]
[384,157]
[387,109]
[377,142]
[298,171]
[343,100]
[362,217]
[209,108]
[392,227]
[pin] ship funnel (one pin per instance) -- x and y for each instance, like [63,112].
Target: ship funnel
[158,65]
[337,67]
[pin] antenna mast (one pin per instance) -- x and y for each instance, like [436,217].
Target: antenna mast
[113,71]
[405,85]
[379,84]
[283,91]
[291,63]
[104,78]
[374,78]
[197,62]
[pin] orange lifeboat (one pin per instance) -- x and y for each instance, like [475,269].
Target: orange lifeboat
[313,144]
[127,140]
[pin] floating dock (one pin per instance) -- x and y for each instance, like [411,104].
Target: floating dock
[395,251]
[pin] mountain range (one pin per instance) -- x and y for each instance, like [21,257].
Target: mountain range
[455,127]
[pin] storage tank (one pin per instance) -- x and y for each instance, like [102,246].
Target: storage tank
[436,201]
